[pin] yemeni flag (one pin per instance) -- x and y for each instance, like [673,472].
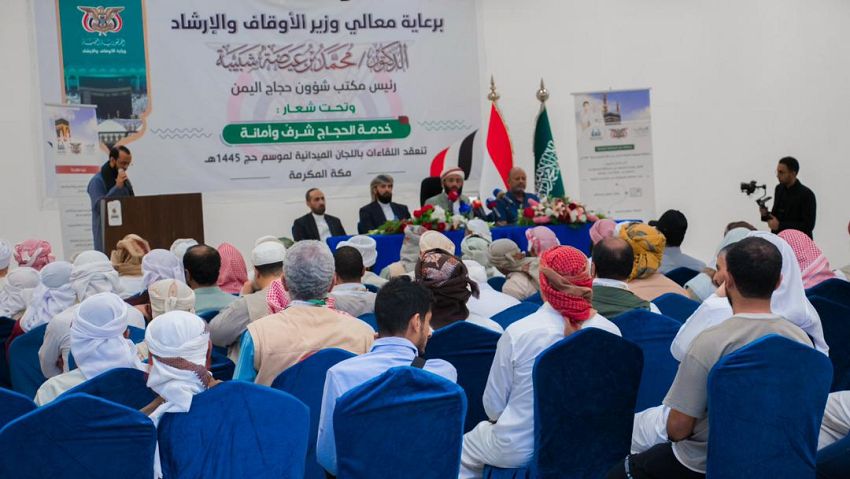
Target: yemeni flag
[498,154]
[462,154]
[547,172]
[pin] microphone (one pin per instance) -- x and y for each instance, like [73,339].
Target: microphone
[499,194]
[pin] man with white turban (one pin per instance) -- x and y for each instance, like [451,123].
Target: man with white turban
[180,348]
[5,260]
[99,343]
[54,295]
[489,301]
[92,274]
[157,265]
[170,295]
[17,291]
[368,248]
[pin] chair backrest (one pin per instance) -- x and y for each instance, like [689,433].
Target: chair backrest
[585,389]
[681,275]
[221,367]
[765,404]
[653,333]
[208,315]
[515,313]
[833,461]
[123,386]
[535,298]
[24,366]
[430,186]
[7,325]
[470,349]
[76,436]
[371,288]
[404,405]
[497,282]
[236,429]
[676,306]
[835,319]
[306,381]
[13,405]
[369,318]
[833,289]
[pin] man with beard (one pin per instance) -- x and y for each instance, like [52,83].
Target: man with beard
[382,208]
[452,198]
[110,182]
[316,225]
[509,205]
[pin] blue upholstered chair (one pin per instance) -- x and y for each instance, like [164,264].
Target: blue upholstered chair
[369,318]
[676,306]
[403,406]
[221,367]
[371,288]
[833,289]
[13,405]
[470,349]
[496,282]
[835,319]
[535,298]
[654,334]
[833,461]
[208,315]
[766,401]
[681,275]
[306,381]
[236,429]
[6,327]
[77,436]
[124,386]
[585,389]
[515,313]
[24,366]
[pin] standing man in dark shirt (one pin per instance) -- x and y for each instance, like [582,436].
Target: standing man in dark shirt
[110,182]
[794,205]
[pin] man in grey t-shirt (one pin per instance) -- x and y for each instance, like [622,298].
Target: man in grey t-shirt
[753,267]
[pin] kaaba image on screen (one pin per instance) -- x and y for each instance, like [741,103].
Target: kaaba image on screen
[112,95]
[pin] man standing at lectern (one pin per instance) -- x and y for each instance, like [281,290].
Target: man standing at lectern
[110,182]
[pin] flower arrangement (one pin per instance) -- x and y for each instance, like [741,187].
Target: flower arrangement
[429,217]
[555,211]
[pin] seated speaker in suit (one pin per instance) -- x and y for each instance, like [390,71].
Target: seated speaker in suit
[382,208]
[316,225]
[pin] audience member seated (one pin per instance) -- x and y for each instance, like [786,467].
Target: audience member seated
[92,274]
[17,291]
[520,271]
[382,208]
[202,264]
[754,273]
[704,284]
[403,313]
[509,205]
[316,225]
[5,261]
[368,248]
[540,239]
[600,230]
[180,245]
[813,264]
[409,254]
[307,324]
[170,295]
[53,295]
[99,343]
[234,273]
[127,260]
[157,265]
[489,301]
[228,326]
[648,247]
[475,244]
[180,349]
[34,253]
[673,225]
[445,276]
[349,294]
[452,199]
[613,260]
[432,240]
[507,439]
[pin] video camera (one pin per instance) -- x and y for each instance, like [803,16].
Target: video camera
[749,188]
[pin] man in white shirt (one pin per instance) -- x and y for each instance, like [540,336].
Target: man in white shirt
[403,313]
[507,440]
[489,301]
[316,225]
[348,292]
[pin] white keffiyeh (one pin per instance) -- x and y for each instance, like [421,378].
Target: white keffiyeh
[97,336]
[17,291]
[54,295]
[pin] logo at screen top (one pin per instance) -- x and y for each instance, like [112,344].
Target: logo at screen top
[102,20]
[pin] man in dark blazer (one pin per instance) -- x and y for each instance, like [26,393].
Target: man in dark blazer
[316,225]
[382,208]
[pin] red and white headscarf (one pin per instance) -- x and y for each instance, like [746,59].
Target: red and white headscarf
[34,253]
[813,264]
[233,273]
[278,299]
[540,239]
[566,284]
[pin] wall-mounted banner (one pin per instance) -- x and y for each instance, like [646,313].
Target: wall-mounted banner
[614,135]
[223,95]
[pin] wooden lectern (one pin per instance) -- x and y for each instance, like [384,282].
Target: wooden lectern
[158,219]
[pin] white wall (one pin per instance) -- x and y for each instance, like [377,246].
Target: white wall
[735,86]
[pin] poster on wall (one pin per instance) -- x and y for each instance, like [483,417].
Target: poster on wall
[215,95]
[71,149]
[614,136]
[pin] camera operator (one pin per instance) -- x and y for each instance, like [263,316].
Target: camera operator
[794,206]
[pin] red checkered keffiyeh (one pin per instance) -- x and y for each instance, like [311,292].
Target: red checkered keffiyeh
[566,284]
[813,264]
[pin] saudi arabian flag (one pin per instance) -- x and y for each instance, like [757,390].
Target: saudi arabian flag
[547,172]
